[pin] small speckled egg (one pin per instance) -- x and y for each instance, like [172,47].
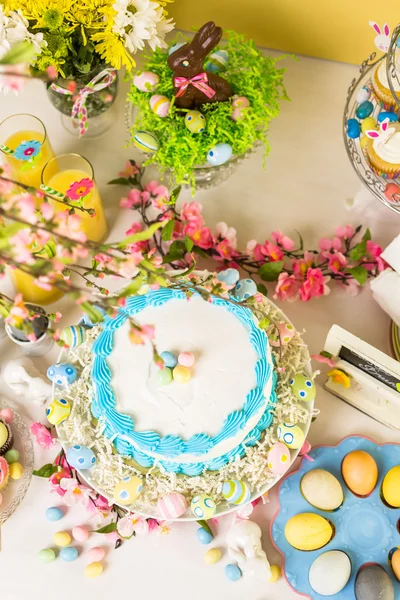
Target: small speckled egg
[283,336]
[239,104]
[146,81]
[229,276]
[146,142]
[204,536]
[58,411]
[360,472]
[330,573]
[391,487]
[276,574]
[186,359]
[195,121]
[7,415]
[308,531]
[80,533]
[127,490]
[212,556]
[12,456]
[164,376]
[362,95]
[16,470]
[169,359]
[393,118]
[303,387]
[62,538]
[181,374]
[175,47]
[80,457]
[238,114]
[47,555]
[368,123]
[232,572]
[203,507]
[244,289]
[395,562]
[373,582]
[160,105]
[62,373]
[93,570]
[73,336]
[172,506]
[217,61]
[69,554]
[321,489]
[54,513]
[236,492]
[279,458]
[219,155]
[95,554]
[291,435]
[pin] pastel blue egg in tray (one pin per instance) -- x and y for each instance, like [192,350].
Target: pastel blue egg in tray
[354,531]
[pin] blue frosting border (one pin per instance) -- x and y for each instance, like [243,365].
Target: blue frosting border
[139,444]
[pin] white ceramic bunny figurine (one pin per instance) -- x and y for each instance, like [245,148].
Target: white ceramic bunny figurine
[382,40]
[25,380]
[244,546]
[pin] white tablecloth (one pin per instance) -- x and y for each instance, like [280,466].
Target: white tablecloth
[307,179]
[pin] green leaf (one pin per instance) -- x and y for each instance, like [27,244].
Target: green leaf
[106,529]
[187,272]
[188,244]
[141,236]
[398,386]
[94,314]
[174,195]
[367,236]
[167,232]
[119,181]
[326,354]
[46,471]
[358,251]
[271,270]
[262,289]
[20,53]
[200,252]
[132,288]
[205,526]
[360,274]
[176,252]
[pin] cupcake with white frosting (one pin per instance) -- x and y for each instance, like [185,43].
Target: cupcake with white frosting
[383,149]
[381,88]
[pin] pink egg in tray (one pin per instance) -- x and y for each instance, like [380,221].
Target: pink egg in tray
[337,527]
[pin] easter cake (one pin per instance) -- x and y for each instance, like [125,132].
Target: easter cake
[215,405]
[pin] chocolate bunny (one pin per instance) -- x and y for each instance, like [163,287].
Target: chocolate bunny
[194,85]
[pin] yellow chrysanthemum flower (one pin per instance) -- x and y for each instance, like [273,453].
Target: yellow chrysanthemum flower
[340,377]
[112,50]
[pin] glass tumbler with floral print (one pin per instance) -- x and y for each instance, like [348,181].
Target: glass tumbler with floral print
[72,176]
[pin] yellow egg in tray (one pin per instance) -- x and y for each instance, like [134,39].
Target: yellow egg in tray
[338,524]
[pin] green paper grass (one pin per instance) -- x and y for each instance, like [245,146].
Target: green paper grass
[250,73]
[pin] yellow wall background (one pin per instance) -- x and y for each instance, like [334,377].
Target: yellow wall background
[334,29]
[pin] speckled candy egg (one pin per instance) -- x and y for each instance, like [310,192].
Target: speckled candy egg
[217,61]
[80,457]
[229,276]
[279,458]
[219,155]
[195,121]
[62,373]
[236,492]
[373,583]
[330,573]
[245,288]
[160,105]
[363,95]
[58,411]
[175,47]
[239,104]
[146,81]
[303,387]
[284,334]
[146,142]
[127,490]
[172,506]
[291,435]
[73,336]
[203,507]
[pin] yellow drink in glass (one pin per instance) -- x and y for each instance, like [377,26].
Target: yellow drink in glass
[24,283]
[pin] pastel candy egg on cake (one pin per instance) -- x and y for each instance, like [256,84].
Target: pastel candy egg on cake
[58,411]
[62,373]
[362,95]
[291,435]
[164,376]
[69,554]
[186,359]
[73,336]
[195,121]
[219,155]
[160,105]
[303,387]
[127,490]
[80,457]
[146,81]
[281,334]
[146,142]
[244,289]
[204,536]
[236,492]
[217,61]
[203,507]
[172,506]
[229,276]
[54,513]
[181,374]
[278,458]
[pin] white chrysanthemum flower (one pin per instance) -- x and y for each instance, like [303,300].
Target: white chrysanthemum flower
[138,21]
[17,31]
[4,42]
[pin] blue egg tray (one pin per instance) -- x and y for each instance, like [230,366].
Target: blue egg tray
[365,528]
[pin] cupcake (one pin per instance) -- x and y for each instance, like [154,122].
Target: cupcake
[4,472]
[381,88]
[383,150]
[6,438]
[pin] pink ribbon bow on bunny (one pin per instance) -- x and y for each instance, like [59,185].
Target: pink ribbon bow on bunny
[198,81]
[382,136]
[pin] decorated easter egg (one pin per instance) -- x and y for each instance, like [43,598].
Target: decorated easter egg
[364,109]
[308,531]
[232,572]
[393,118]
[146,81]
[373,582]
[278,458]
[47,555]
[146,142]
[80,457]
[244,289]
[127,490]
[392,193]
[219,155]
[281,334]
[353,128]
[170,360]
[330,573]
[62,538]
[186,359]
[62,373]
[181,374]
[164,376]
[73,336]
[321,489]
[58,411]
[95,554]
[203,507]
[54,513]
[303,387]
[69,554]
[229,276]
[395,562]
[217,61]
[362,95]
[391,487]
[236,492]
[204,536]
[212,556]
[291,435]
[171,506]
[360,472]
[16,470]
[239,104]
[195,121]
[160,105]
[12,456]
[175,47]
[368,123]
[94,569]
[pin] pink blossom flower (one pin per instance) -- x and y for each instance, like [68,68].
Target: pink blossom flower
[42,436]
[328,244]
[375,251]
[351,286]
[23,205]
[57,317]
[133,200]
[250,246]
[129,267]
[224,249]
[55,482]
[22,243]
[226,232]
[136,246]
[52,72]
[282,240]
[69,226]
[344,232]
[140,336]
[112,537]
[153,525]
[301,265]
[125,526]
[287,287]
[202,237]
[18,312]
[6,187]
[129,170]
[75,493]
[314,286]
[13,82]
[337,261]
[47,211]
[192,211]
[331,362]
[268,250]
